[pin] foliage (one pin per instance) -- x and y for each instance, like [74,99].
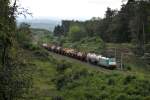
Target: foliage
[24,34]
[40,36]
[87,44]
[58,30]
[14,78]
[76,33]
[78,82]
[129,25]
[56,77]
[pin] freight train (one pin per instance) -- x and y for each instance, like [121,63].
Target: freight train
[93,58]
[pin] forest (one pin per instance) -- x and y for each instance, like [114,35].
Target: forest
[131,24]
[30,72]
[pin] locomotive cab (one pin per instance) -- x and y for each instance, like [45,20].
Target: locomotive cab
[112,62]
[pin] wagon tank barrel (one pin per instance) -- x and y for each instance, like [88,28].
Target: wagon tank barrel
[93,58]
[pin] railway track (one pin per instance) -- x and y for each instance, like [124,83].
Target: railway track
[91,66]
[93,58]
[72,60]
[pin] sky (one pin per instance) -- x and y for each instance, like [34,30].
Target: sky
[69,9]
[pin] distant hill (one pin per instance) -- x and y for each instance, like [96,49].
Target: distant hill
[41,36]
[47,24]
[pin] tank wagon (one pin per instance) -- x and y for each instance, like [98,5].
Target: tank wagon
[93,58]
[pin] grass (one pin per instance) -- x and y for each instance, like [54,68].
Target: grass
[61,77]
[56,77]
[42,79]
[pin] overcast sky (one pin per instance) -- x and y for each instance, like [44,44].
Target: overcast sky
[69,9]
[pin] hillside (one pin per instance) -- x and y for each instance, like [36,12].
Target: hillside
[103,58]
[58,77]
[47,24]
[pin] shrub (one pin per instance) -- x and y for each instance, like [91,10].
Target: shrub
[128,79]
[111,81]
[41,54]
[146,98]
[104,95]
[63,65]
[129,68]
[31,46]
[57,98]
[135,97]
[90,96]
[76,33]
[122,96]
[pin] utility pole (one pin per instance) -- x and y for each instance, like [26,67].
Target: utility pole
[144,38]
[115,52]
[121,62]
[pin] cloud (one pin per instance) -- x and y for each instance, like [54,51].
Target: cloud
[69,9]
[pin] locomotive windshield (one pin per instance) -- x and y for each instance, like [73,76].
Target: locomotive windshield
[112,59]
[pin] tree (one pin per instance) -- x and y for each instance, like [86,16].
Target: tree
[91,26]
[139,24]
[110,13]
[58,30]
[118,28]
[13,79]
[76,33]
[24,34]
[104,28]
[65,26]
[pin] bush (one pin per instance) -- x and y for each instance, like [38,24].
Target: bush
[128,79]
[33,47]
[41,54]
[135,97]
[147,98]
[122,96]
[63,65]
[57,98]
[104,95]
[129,68]
[111,81]
[76,33]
